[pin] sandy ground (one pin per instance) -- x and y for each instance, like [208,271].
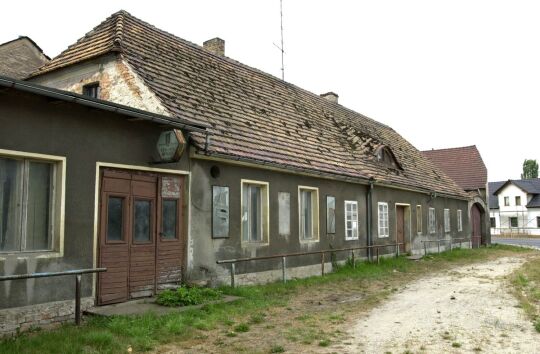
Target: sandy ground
[463,310]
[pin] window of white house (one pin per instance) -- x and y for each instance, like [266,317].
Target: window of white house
[493,222]
[431,221]
[255,219]
[351,220]
[506,201]
[308,203]
[419,219]
[330,214]
[446,220]
[30,204]
[459,221]
[518,200]
[284,206]
[513,222]
[384,229]
[538,221]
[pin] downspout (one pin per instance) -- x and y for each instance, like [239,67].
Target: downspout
[369,210]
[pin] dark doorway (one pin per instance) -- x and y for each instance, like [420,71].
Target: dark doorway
[476,219]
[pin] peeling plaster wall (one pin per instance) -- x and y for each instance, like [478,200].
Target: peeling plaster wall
[118,82]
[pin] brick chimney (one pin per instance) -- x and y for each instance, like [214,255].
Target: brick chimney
[330,96]
[215,45]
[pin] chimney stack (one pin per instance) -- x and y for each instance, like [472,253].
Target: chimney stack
[215,45]
[330,96]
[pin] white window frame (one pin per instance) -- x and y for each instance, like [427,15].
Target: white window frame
[314,214]
[432,223]
[447,227]
[419,219]
[459,220]
[383,220]
[353,220]
[506,201]
[265,211]
[58,203]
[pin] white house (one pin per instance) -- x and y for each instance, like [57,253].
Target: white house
[514,207]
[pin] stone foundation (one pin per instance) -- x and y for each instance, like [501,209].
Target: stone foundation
[19,319]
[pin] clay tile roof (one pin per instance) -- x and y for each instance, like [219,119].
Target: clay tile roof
[20,57]
[463,164]
[253,115]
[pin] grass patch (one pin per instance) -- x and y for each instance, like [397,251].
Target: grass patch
[526,283]
[456,345]
[184,296]
[277,349]
[145,332]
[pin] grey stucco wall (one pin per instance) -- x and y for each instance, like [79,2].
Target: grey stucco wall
[84,136]
[207,250]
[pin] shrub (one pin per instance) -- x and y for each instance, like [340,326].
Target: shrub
[184,296]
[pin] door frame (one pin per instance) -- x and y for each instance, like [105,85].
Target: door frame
[407,228]
[99,166]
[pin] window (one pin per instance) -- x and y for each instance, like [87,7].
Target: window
[506,201]
[30,204]
[431,220]
[386,157]
[91,90]
[538,221]
[284,201]
[351,220]
[459,221]
[518,200]
[308,203]
[330,214]
[142,221]
[513,221]
[384,229]
[220,212]
[254,202]
[419,219]
[492,222]
[446,220]
[169,218]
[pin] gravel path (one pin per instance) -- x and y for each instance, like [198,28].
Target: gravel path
[463,310]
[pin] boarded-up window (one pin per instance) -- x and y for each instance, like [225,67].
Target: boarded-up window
[330,215]
[351,220]
[220,211]
[446,220]
[431,221]
[459,221]
[284,205]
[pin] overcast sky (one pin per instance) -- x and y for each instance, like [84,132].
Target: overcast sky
[441,73]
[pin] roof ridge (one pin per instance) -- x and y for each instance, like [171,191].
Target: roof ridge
[452,148]
[119,28]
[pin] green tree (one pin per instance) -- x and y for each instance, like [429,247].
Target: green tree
[530,169]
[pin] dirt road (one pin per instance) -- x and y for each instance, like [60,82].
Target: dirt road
[463,310]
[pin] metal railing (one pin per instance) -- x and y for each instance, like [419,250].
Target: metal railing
[284,256]
[77,272]
[451,242]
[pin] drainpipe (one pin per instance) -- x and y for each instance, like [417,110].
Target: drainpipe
[369,214]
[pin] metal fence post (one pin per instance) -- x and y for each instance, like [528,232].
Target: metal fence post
[284,268]
[353,260]
[425,249]
[438,246]
[322,263]
[377,252]
[232,274]
[450,244]
[78,299]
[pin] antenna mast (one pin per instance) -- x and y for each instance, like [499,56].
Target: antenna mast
[281,47]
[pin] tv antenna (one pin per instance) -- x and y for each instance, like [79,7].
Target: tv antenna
[281,48]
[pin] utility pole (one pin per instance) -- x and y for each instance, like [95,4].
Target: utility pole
[281,48]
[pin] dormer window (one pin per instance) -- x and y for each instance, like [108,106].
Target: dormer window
[386,157]
[91,90]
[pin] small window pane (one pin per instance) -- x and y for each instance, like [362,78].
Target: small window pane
[306,214]
[11,172]
[142,221]
[513,222]
[169,218]
[284,205]
[419,219]
[330,215]
[492,221]
[38,206]
[220,211]
[115,218]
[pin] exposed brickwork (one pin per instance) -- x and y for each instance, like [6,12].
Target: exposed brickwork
[21,319]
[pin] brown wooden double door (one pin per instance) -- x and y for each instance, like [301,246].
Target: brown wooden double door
[140,240]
